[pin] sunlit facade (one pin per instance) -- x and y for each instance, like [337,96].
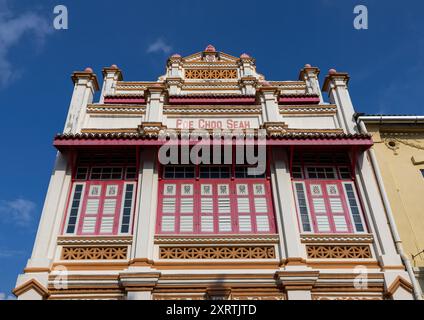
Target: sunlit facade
[119,223]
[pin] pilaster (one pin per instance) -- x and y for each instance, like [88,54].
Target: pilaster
[335,84]
[111,76]
[286,211]
[145,220]
[51,214]
[310,75]
[85,85]
[270,110]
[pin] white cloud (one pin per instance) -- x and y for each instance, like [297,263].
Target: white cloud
[18,211]
[5,253]
[3,296]
[158,46]
[13,29]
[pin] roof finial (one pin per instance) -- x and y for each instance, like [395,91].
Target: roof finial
[210,48]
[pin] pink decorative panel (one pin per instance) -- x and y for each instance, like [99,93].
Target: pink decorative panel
[215,206]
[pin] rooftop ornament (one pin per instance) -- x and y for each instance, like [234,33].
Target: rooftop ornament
[210,48]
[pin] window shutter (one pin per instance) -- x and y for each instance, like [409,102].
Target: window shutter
[89,224]
[261,205]
[323,224]
[319,205]
[168,205]
[109,206]
[186,224]
[127,207]
[206,205]
[245,224]
[75,208]
[336,205]
[303,206]
[224,205]
[186,205]
[206,223]
[106,225]
[262,223]
[168,223]
[340,223]
[224,222]
[354,207]
[243,205]
[92,206]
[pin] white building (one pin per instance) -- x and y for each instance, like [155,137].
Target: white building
[117,223]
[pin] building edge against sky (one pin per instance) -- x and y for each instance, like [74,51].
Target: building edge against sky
[117,224]
[398,152]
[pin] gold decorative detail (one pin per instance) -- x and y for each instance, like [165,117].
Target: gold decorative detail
[201,296]
[258,297]
[211,74]
[347,298]
[338,252]
[221,252]
[336,238]
[274,127]
[217,239]
[151,128]
[89,240]
[94,253]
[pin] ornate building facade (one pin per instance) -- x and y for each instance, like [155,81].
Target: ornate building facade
[398,153]
[120,223]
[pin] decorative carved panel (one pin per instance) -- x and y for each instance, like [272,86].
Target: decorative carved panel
[347,298]
[94,253]
[258,297]
[179,297]
[211,74]
[227,252]
[338,252]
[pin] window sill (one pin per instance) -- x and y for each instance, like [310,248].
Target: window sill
[217,239]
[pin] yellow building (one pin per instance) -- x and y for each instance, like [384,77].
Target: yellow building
[399,152]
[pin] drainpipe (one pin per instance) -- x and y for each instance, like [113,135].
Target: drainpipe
[392,225]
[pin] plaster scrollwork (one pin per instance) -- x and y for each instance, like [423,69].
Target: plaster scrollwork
[393,142]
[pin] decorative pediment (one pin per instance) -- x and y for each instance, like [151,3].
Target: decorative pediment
[32,284]
[210,55]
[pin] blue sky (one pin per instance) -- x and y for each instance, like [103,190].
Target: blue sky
[385,62]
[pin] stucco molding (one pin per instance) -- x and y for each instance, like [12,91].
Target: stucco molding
[31,284]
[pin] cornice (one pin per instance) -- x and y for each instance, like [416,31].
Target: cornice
[265,238]
[116,109]
[336,238]
[64,240]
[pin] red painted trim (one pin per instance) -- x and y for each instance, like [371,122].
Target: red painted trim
[329,214]
[100,214]
[216,100]
[59,143]
[298,100]
[342,196]
[232,183]
[137,170]
[125,101]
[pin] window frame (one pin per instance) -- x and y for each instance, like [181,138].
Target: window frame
[197,213]
[324,182]
[69,209]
